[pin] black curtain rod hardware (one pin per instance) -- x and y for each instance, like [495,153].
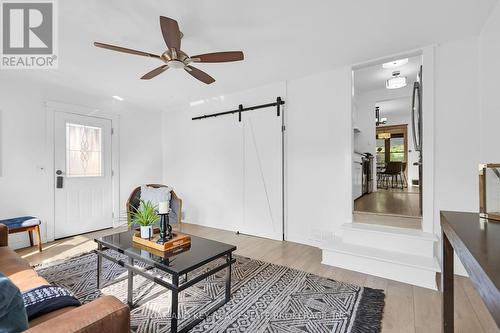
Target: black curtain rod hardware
[241,109]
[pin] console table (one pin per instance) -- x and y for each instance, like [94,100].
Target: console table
[477,243]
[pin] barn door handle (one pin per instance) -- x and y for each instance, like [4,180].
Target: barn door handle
[59,179]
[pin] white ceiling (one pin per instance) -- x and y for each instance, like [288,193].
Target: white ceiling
[374,77]
[281,39]
[399,108]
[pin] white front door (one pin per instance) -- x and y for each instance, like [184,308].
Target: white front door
[262,167]
[83,179]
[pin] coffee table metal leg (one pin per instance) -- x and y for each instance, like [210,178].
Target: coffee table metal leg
[99,266]
[175,304]
[228,278]
[130,289]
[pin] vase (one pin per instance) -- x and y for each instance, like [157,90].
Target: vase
[146,231]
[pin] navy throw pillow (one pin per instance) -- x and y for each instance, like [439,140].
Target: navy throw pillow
[45,299]
[12,312]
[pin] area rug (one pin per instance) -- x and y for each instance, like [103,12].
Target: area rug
[265,298]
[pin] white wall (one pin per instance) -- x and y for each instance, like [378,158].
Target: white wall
[489,72]
[319,155]
[457,144]
[467,116]
[202,157]
[456,128]
[25,182]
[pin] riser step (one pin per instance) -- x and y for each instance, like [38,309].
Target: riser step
[416,270]
[408,241]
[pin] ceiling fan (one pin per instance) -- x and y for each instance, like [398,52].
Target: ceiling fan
[174,57]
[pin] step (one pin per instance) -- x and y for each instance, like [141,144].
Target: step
[410,241]
[416,270]
[388,220]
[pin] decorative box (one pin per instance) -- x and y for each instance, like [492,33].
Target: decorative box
[489,191]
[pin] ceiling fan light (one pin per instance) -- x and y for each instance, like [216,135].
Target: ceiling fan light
[396,82]
[395,63]
[176,64]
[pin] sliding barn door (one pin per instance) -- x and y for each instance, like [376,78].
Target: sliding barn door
[262,168]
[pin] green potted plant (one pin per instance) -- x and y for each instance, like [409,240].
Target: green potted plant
[145,216]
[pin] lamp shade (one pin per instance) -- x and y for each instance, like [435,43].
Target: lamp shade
[396,82]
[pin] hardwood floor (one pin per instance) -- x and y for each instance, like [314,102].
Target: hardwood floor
[391,202]
[408,308]
[388,220]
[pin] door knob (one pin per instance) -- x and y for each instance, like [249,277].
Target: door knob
[58,172]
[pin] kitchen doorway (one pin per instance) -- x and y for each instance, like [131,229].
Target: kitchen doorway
[387,152]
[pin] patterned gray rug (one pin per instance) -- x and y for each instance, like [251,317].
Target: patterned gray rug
[265,298]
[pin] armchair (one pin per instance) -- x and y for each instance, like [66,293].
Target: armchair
[174,217]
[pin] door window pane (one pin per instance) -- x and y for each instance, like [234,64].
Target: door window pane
[397,150]
[83,151]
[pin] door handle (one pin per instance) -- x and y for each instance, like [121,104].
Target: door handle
[416,94]
[59,179]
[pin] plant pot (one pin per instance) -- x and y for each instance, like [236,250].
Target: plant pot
[146,231]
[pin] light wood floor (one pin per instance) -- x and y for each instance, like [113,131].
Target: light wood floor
[388,220]
[408,309]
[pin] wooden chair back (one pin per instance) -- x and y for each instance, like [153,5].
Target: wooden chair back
[393,168]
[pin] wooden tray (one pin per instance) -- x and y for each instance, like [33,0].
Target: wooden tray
[177,240]
[164,254]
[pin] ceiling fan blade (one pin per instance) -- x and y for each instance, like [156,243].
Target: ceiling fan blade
[219,57]
[199,74]
[155,72]
[171,32]
[125,50]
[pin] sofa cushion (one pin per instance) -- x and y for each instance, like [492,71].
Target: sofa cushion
[20,222]
[18,270]
[12,312]
[11,262]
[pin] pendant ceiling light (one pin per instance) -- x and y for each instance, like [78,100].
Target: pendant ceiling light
[396,81]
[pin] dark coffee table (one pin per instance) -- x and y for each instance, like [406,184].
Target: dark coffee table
[178,263]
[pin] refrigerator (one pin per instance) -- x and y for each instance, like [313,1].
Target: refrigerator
[417,131]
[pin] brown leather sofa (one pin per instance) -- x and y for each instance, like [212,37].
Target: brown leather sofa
[105,314]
